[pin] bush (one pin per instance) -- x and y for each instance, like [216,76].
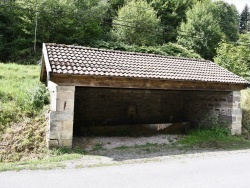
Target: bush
[245,105]
[169,49]
[38,97]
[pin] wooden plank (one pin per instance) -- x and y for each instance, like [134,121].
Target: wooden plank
[122,82]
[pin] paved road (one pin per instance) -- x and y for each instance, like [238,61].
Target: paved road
[217,171]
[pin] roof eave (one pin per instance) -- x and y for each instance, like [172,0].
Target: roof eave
[45,66]
[145,83]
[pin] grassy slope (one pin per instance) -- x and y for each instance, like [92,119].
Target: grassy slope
[22,124]
[17,83]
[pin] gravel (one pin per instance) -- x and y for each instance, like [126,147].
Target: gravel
[136,150]
[88,143]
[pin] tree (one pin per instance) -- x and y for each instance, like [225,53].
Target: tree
[245,20]
[228,19]
[137,23]
[201,32]
[24,23]
[235,56]
[13,37]
[171,13]
[71,21]
[6,34]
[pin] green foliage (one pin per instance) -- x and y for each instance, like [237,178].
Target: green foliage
[201,32]
[235,57]
[196,24]
[245,105]
[207,137]
[142,24]
[245,20]
[228,19]
[14,38]
[169,49]
[70,22]
[38,97]
[22,101]
[62,21]
[215,137]
[171,13]
[21,93]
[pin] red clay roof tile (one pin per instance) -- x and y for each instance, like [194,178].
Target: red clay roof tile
[68,59]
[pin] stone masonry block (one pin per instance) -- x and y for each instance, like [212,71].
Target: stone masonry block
[65,95]
[67,125]
[236,98]
[54,134]
[66,143]
[61,116]
[52,144]
[236,125]
[236,93]
[236,105]
[227,118]
[67,130]
[65,88]
[238,119]
[230,99]
[237,111]
[65,134]
[54,124]
[65,105]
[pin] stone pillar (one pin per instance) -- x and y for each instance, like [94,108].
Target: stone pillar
[236,113]
[232,112]
[61,116]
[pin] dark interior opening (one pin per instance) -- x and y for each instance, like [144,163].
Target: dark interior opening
[110,109]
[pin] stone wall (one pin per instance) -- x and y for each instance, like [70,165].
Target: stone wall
[102,106]
[223,106]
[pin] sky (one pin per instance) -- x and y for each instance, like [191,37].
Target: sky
[239,3]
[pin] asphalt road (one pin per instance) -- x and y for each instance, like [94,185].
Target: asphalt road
[215,171]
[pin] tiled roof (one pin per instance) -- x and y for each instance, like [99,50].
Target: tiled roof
[77,60]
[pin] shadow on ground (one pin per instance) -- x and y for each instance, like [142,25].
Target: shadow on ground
[154,147]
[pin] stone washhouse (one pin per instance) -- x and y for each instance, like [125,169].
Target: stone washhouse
[92,87]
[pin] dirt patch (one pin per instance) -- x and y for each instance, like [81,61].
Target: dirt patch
[90,143]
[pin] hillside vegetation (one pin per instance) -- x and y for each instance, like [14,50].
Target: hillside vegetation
[22,104]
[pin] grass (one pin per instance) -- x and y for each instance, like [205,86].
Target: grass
[97,147]
[22,105]
[21,93]
[50,159]
[215,137]
[45,163]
